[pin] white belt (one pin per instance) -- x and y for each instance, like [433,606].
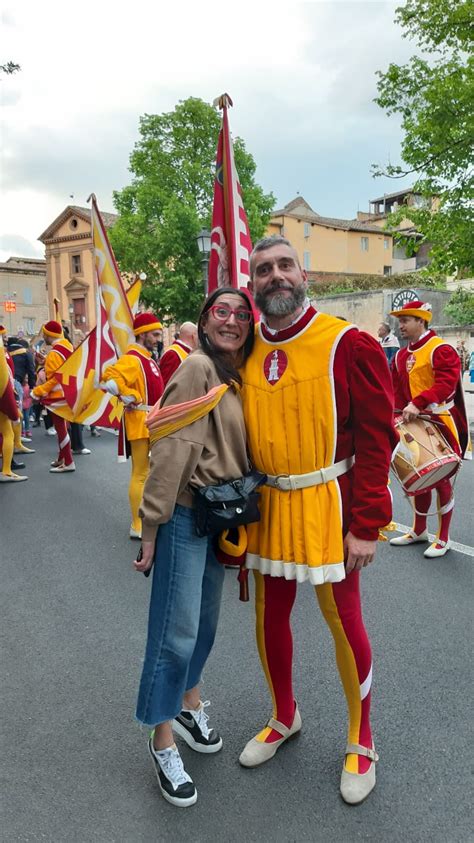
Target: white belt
[142,407]
[440,408]
[291,482]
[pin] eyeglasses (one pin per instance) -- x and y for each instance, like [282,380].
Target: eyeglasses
[222,313]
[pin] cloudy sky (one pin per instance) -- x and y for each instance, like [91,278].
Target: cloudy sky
[302,81]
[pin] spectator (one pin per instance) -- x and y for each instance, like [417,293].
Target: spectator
[388,341]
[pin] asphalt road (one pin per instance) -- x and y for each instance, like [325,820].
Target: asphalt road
[74,762]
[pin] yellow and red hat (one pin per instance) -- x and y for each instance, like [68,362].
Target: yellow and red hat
[422,310]
[52,329]
[145,322]
[3,330]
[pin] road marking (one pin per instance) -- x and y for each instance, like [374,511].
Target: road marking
[461,548]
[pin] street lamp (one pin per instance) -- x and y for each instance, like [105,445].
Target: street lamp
[204,245]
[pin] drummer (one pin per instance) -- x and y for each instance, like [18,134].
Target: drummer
[427,379]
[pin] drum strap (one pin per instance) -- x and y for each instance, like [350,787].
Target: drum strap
[292,482]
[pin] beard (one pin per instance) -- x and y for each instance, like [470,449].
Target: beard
[280,305]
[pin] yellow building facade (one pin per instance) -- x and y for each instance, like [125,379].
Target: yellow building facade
[331,245]
[69,268]
[23,296]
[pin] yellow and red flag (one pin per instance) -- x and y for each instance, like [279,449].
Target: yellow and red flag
[229,263]
[113,311]
[7,396]
[83,402]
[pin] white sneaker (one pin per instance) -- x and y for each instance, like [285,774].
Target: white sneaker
[176,786]
[410,538]
[191,726]
[51,432]
[438,548]
[82,451]
[62,469]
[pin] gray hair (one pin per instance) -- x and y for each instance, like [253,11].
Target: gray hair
[269,243]
[386,325]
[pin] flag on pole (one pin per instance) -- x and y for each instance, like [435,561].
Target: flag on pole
[229,263]
[83,402]
[7,395]
[112,307]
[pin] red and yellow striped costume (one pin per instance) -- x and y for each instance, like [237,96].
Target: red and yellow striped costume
[315,394]
[51,389]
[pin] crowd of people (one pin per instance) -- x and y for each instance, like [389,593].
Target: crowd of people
[316,407]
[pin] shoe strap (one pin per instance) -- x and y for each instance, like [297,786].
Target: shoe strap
[279,727]
[357,749]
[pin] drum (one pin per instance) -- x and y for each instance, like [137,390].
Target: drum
[423,457]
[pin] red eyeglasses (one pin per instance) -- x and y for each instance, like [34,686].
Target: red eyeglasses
[223,312]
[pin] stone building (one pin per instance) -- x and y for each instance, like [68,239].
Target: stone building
[23,295]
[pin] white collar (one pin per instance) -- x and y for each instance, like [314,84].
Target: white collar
[273,331]
[424,334]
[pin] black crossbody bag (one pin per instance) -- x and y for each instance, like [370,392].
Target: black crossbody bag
[231,503]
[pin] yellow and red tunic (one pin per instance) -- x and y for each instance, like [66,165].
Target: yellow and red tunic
[172,359]
[135,375]
[315,394]
[428,374]
[51,390]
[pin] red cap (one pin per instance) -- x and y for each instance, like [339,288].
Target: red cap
[422,310]
[145,322]
[52,329]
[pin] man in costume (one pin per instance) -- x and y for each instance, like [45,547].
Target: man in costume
[319,416]
[185,342]
[427,379]
[60,350]
[135,378]
[9,416]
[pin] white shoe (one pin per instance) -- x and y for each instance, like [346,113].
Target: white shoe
[355,787]
[51,432]
[438,548]
[62,469]
[410,538]
[134,534]
[176,785]
[82,451]
[12,478]
[257,752]
[24,450]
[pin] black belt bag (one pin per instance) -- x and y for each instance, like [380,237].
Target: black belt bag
[231,503]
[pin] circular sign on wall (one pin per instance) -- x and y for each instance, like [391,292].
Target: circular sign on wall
[403,297]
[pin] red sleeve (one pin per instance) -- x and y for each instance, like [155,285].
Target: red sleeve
[400,381]
[169,363]
[447,371]
[365,413]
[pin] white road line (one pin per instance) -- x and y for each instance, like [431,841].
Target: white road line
[461,548]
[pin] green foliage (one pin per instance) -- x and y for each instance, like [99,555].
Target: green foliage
[434,96]
[170,200]
[9,68]
[461,307]
[365,283]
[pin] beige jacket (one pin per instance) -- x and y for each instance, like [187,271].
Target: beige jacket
[210,450]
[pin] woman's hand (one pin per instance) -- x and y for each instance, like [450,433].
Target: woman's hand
[145,561]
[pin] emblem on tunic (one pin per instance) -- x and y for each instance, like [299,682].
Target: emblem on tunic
[274,365]
[411,360]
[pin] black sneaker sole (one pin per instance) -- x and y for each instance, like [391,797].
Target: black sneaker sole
[207,748]
[179,802]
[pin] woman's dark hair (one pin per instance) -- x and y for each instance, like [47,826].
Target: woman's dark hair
[225,366]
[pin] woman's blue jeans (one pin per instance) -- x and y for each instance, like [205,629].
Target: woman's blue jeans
[184,610]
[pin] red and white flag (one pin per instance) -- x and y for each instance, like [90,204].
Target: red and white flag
[230,236]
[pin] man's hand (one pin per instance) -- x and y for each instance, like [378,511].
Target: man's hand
[410,412]
[146,561]
[358,553]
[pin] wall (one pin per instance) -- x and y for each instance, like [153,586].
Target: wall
[18,278]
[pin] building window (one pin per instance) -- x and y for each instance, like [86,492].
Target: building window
[387,270]
[76,264]
[30,325]
[307,229]
[307,260]
[73,223]
[364,244]
[27,295]
[386,242]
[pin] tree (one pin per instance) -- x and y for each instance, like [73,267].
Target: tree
[434,95]
[461,307]
[170,200]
